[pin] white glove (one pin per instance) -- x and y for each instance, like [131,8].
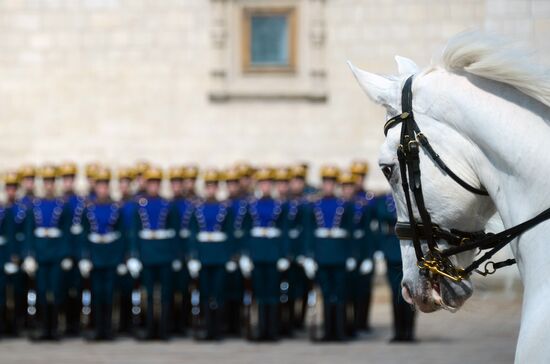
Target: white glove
[177,265]
[121,269]
[30,266]
[300,259]
[194,267]
[310,267]
[246,266]
[231,266]
[85,266]
[66,264]
[10,268]
[351,264]
[366,266]
[283,264]
[134,267]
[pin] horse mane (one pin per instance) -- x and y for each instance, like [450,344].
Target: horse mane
[494,58]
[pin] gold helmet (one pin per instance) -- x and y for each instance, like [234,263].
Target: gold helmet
[68,169]
[347,178]
[11,178]
[263,174]
[153,173]
[175,173]
[298,171]
[282,174]
[360,168]
[27,171]
[142,167]
[102,174]
[91,168]
[190,172]
[48,172]
[126,173]
[231,174]
[244,169]
[330,172]
[211,176]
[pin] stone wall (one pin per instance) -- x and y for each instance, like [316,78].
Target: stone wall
[118,80]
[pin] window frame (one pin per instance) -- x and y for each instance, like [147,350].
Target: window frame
[246,33]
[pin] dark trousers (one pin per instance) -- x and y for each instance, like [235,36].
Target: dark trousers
[103,285]
[265,282]
[49,283]
[332,279]
[403,314]
[212,280]
[161,275]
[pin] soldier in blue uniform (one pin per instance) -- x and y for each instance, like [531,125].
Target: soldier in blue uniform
[331,248]
[154,248]
[265,252]
[140,168]
[102,249]
[124,282]
[15,277]
[365,220]
[27,176]
[48,251]
[234,281]
[403,314]
[190,175]
[8,262]
[212,252]
[184,207]
[297,212]
[72,280]
[246,172]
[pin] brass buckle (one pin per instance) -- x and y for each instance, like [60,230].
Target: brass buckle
[435,263]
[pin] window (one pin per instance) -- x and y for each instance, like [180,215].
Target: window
[269,40]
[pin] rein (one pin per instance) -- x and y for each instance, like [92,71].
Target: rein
[436,261]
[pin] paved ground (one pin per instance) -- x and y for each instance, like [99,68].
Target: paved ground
[485,331]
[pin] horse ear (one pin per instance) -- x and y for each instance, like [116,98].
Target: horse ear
[379,88]
[406,66]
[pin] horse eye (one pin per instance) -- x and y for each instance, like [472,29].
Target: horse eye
[387,169]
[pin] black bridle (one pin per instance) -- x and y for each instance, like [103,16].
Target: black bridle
[436,261]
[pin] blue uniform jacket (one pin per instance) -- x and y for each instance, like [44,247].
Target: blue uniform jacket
[266,226]
[297,226]
[329,238]
[154,231]
[184,208]
[47,230]
[364,222]
[386,216]
[239,208]
[102,240]
[212,240]
[76,205]
[7,236]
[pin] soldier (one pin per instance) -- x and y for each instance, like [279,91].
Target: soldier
[154,248]
[140,169]
[212,252]
[245,171]
[8,262]
[282,181]
[403,314]
[234,281]
[102,249]
[330,246]
[48,251]
[184,207]
[364,239]
[266,252]
[124,282]
[297,212]
[308,189]
[72,280]
[15,215]
[190,174]
[27,175]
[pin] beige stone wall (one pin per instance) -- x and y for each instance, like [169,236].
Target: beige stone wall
[118,80]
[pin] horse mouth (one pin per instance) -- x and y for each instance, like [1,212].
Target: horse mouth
[436,293]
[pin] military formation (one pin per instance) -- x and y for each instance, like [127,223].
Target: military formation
[258,253]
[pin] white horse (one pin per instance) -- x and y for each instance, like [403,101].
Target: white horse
[485,108]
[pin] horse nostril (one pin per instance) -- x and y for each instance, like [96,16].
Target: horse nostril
[406,293]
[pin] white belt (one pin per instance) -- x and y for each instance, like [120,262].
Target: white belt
[211,236]
[3,240]
[265,232]
[43,232]
[104,238]
[148,234]
[76,229]
[335,233]
[185,233]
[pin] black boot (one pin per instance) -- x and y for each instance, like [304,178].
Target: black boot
[2,321]
[72,314]
[54,321]
[108,322]
[164,324]
[125,314]
[340,322]
[272,322]
[98,317]
[328,322]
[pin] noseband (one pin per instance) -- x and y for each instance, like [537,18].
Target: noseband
[436,261]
